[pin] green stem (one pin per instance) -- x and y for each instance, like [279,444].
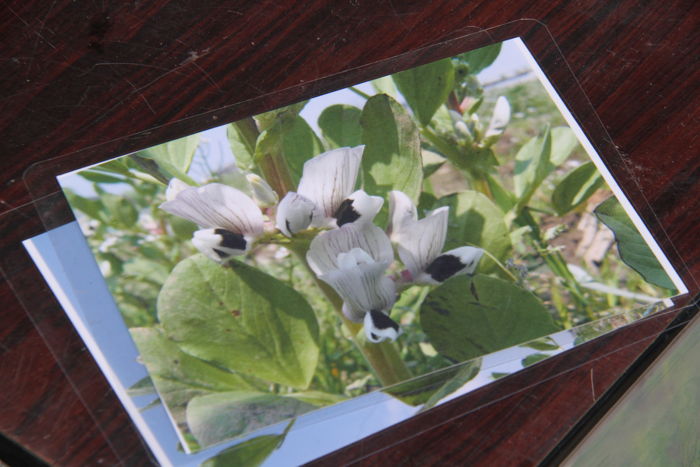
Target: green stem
[359,93]
[248,131]
[383,358]
[557,264]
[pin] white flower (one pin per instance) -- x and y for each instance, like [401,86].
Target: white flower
[326,246]
[352,260]
[360,281]
[499,119]
[230,219]
[221,244]
[174,188]
[419,243]
[325,196]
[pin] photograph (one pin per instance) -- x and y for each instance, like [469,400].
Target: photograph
[341,245]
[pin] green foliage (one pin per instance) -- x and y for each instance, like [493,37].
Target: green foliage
[476,220]
[426,87]
[217,417]
[174,157]
[534,358]
[477,60]
[633,249]
[250,453]
[469,317]
[340,125]
[392,157]
[576,188]
[290,139]
[229,317]
[466,372]
[242,144]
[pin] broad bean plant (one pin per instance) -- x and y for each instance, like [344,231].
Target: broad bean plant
[434,224]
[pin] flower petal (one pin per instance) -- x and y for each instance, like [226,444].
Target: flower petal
[363,286]
[220,244]
[353,314]
[329,178]
[216,205]
[174,187]
[402,213]
[462,260]
[262,191]
[326,246]
[379,327]
[294,213]
[358,207]
[423,241]
[500,118]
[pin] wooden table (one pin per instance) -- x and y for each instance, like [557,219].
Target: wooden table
[102,79]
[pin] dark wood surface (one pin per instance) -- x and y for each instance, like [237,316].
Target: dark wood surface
[87,81]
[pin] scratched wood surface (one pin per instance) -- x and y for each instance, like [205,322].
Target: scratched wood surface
[84,81]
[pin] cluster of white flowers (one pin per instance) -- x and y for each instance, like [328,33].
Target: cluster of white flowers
[352,255]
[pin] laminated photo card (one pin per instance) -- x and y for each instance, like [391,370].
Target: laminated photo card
[395,243]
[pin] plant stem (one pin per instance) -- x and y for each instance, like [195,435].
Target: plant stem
[557,264]
[359,92]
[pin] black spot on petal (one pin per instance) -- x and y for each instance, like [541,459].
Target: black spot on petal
[229,239]
[382,321]
[289,228]
[222,254]
[444,267]
[345,213]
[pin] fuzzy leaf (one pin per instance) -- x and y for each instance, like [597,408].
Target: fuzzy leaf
[242,319]
[634,251]
[469,317]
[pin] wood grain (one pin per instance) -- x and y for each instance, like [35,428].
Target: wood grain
[85,82]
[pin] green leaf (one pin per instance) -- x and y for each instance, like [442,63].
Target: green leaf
[576,187]
[92,207]
[291,139]
[340,125]
[120,212]
[217,417]
[481,58]
[534,358]
[266,120]
[179,377]
[469,317]
[251,453]
[385,85]
[634,251]
[417,391]
[242,151]
[532,165]
[100,177]
[142,387]
[426,87]
[545,343]
[476,220]
[392,156]
[242,319]
[317,398]
[564,141]
[115,166]
[182,228]
[466,373]
[538,158]
[175,156]
[144,269]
